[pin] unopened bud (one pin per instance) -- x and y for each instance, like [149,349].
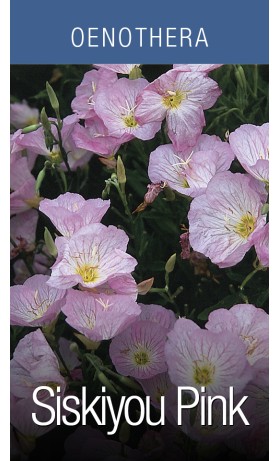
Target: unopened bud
[265,208]
[145,285]
[52,97]
[135,73]
[30,128]
[39,180]
[74,348]
[170,263]
[120,169]
[50,243]
[47,129]
[88,343]
[45,120]
[129,383]
[240,77]
[106,190]
[106,382]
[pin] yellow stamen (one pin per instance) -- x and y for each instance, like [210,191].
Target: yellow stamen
[130,121]
[88,273]
[141,357]
[173,99]
[55,157]
[246,225]
[203,374]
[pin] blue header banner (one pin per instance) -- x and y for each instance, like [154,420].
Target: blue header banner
[145,31]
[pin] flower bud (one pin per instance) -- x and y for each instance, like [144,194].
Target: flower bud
[106,382]
[129,383]
[145,285]
[135,73]
[265,208]
[74,348]
[45,120]
[170,263]
[121,175]
[39,180]
[52,97]
[106,190]
[30,128]
[50,243]
[88,343]
[240,77]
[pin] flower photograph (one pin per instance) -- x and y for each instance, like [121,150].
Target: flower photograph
[139,254]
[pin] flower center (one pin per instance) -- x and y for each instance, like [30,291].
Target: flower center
[246,225]
[173,99]
[130,121]
[88,273]
[203,374]
[55,157]
[141,358]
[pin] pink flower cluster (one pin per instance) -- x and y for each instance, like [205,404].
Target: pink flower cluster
[91,281]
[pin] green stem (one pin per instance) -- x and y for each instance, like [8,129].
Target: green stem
[249,276]
[62,150]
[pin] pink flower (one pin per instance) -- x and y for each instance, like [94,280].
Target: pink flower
[187,174]
[70,212]
[156,387]
[261,242]
[21,418]
[119,68]
[116,107]
[23,231]
[196,67]
[222,221]
[94,137]
[139,350]
[17,150]
[35,143]
[99,316]
[250,145]
[35,303]
[119,285]
[158,314]
[34,364]
[21,115]
[92,82]
[181,97]
[248,323]
[23,186]
[197,357]
[92,256]
[222,148]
